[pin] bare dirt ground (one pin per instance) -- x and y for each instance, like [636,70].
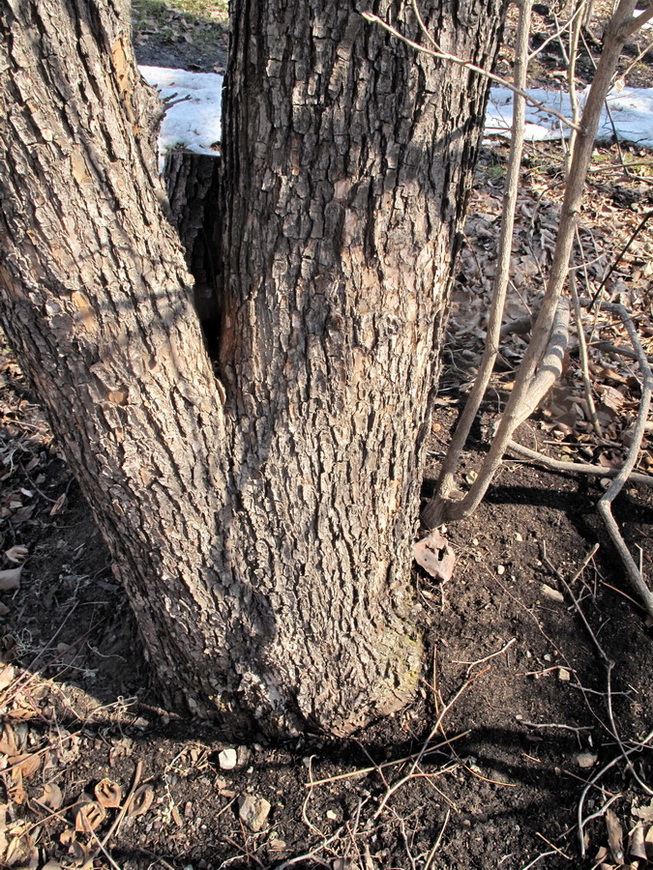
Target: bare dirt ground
[535,713]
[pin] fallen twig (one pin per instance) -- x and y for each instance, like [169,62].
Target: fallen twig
[487,658]
[436,845]
[420,755]
[576,467]
[363,771]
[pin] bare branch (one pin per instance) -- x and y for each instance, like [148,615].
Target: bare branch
[605,503]
[638,21]
[444,55]
[502,274]
[614,40]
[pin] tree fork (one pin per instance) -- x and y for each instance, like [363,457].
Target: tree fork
[263,531]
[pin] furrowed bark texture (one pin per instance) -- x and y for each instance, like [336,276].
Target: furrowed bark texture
[97,301]
[264,539]
[346,182]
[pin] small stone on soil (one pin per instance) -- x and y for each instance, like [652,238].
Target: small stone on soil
[585,759]
[552,593]
[228,759]
[253,811]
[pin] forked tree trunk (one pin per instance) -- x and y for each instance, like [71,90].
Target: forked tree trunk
[261,523]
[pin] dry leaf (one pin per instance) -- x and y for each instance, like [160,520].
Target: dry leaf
[552,593]
[51,865]
[649,844]
[644,813]
[435,556]
[89,816]
[28,764]
[17,554]
[59,505]
[585,759]
[8,741]
[636,843]
[615,835]
[108,794]
[10,579]
[7,676]
[52,796]
[23,708]
[19,851]
[15,789]
[142,801]
[79,854]
[66,837]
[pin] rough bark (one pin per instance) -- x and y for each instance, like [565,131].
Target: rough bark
[262,523]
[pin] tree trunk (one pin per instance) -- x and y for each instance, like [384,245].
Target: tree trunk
[261,523]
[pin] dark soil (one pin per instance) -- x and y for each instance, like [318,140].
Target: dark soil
[529,688]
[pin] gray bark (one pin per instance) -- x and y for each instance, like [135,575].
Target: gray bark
[262,523]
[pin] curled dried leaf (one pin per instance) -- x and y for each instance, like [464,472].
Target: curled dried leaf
[142,801]
[20,851]
[108,793]
[79,854]
[7,676]
[89,816]
[15,789]
[17,554]
[435,556]
[59,505]
[67,837]
[637,843]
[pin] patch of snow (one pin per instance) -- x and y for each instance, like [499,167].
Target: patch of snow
[631,109]
[194,123]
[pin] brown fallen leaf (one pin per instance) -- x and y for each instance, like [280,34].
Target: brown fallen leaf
[15,789]
[17,554]
[59,505]
[108,793]
[28,763]
[649,844]
[615,836]
[21,852]
[79,853]
[67,836]
[435,556]
[7,676]
[637,843]
[142,801]
[52,796]
[8,741]
[645,813]
[89,816]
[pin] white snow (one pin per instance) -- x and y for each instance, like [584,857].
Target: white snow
[194,123]
[631,109]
